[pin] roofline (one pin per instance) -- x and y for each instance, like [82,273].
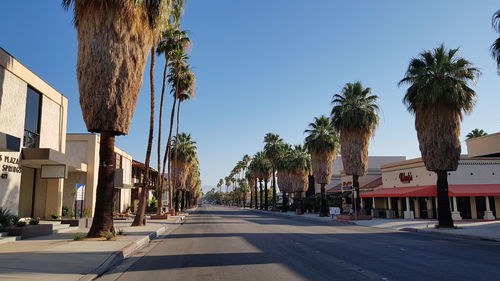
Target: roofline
[13,71]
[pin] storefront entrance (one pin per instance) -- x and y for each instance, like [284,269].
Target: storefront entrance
[27,192]
[463,206]
[481,206]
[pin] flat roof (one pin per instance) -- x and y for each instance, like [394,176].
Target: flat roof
[10,63]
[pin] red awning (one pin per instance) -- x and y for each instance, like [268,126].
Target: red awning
[466,190]
[413,191]
[456,190]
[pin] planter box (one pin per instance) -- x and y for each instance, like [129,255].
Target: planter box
[81,223]
[352,218]
[28,230]
[160,217]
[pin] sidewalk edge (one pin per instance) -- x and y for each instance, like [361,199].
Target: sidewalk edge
[123,253]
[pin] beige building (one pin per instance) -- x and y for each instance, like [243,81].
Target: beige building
[83,152]
[409,190]
[32,141]
[342,183]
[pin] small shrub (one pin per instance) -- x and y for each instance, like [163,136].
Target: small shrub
[34,221]
[86,213]
[5,217]
[15,219]
[65,211]
[54,216]
[78,236]
[20,223]
[109,236]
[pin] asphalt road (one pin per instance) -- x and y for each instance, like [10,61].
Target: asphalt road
[219,244]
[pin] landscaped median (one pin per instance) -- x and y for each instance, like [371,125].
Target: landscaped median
[63,256]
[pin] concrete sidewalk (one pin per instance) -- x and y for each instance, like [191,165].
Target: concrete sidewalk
[479,230]
[58,257]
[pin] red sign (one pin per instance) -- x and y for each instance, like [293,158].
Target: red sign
[405,177]
[347,183]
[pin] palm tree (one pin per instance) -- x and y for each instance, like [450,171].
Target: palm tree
[323,144]
[192,180]
[250,177]
[495,48]
[252,168]
[113,43]
[185,81]
[439,95]
[263,168]
[283,177]
[298,168]
[171,39]
[183,88]
[184,150]
[271,147]
[476,133]
[220,183]
[246,161]
[228,183]
[355,117]
[178,64]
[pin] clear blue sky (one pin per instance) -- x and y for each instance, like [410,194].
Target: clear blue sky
[272,65]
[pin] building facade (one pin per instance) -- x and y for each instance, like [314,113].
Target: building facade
[32,142]
[83,153]
[341,184]
[138,177]
[409,190]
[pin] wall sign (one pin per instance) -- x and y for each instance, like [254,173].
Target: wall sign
[347,184]
[9,165]
[405,177]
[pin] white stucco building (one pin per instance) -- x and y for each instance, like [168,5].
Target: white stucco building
[32,141]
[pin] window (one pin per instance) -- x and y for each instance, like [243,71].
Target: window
[118,161]
[32,119]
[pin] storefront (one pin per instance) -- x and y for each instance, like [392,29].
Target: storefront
[409,190]
[367,183]
[83,153]
[32,142]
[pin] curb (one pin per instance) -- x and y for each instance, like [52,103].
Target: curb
[125,252]
[462,236]
[279,214]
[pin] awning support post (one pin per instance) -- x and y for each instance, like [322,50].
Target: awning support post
[408,214]
[488,214]
[455,215]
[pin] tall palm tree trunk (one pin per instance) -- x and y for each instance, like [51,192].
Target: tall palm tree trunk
[255,194]
[266,195]
[139,219]
[444,213]
[160,118]
[284,208]
[261,196]
[274,189]
[176,200]
[183,200]
[103,216]
[298,203]
[355,187]
[167,156]
[251,197]
[323,211]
